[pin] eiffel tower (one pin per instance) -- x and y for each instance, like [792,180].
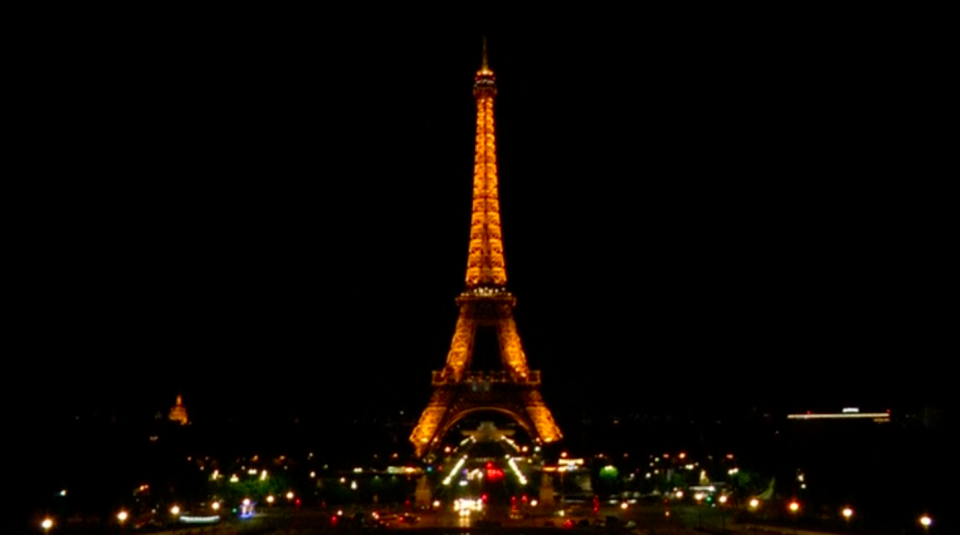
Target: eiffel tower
[485,307]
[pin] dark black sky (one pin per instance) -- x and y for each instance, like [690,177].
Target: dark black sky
[263,213]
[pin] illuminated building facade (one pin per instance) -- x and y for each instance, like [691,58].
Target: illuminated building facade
[178,413]
[486,305]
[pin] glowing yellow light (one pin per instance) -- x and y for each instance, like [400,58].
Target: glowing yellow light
[234,479]
[926,521]
[290,495]
[215,505]
[723,499]
[624,505]
[246,501]
[175,510]
[754,503]
[485,264]
[179,413]
[683,455]
[270,499]
[847,513]
[313,475]
[263,475]
[679,494]
[794,507]
[122,516]
[46,524]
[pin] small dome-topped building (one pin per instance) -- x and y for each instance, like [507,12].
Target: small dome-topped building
[178,413]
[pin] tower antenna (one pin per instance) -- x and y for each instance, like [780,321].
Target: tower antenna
[485,66]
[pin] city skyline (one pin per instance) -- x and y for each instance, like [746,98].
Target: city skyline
[249,232]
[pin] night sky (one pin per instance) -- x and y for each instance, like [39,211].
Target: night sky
[262,215]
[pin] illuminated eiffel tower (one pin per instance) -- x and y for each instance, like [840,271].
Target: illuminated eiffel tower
[485,306]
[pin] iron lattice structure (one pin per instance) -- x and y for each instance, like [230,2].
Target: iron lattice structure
[459,390]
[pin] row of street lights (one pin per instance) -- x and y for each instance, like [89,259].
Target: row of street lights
[847,512]
[123,515]
[794,507]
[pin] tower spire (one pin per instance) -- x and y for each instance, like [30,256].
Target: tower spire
[485,264]
[485,66]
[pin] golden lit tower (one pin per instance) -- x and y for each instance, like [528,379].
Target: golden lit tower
[485,306]
[178,413]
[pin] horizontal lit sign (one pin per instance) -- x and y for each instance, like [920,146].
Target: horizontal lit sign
[200,519]
[838,416]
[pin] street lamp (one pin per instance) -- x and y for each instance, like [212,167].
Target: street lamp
[216,506]
[122,517]
[175,510]
[46,525]
[290,495]
[699,498]
[270,499]
[847,514]
[723,515]
[795,508]
[754,503]
[926,522]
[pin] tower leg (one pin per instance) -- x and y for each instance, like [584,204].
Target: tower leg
[426,431]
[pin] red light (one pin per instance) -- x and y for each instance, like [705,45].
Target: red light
[489,466]
[524,497]
[484,497]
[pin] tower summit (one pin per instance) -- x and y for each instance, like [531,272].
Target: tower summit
[486,311]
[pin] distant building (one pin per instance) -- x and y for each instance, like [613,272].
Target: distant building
[179,413]
[851,413]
